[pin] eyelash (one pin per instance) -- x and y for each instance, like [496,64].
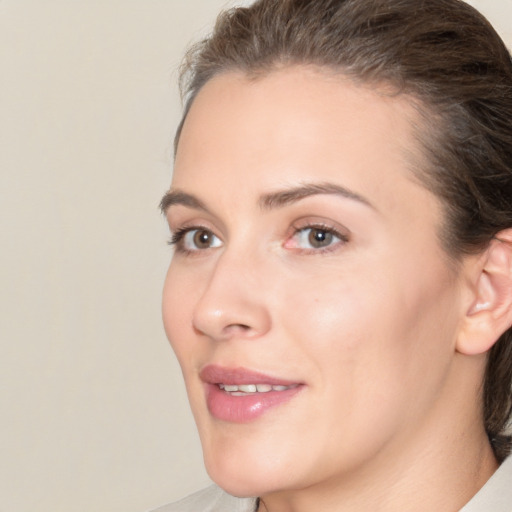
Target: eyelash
[328,229]
[178,237]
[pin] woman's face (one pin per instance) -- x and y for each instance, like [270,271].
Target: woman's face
[310,305]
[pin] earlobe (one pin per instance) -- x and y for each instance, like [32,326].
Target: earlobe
[490,313]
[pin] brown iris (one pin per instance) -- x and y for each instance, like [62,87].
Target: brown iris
[202,239]
[319,238]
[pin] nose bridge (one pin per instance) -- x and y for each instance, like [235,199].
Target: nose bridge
[233,301]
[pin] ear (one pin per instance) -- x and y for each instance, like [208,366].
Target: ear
[490,313]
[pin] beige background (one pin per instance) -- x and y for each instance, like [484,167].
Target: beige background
[93,411]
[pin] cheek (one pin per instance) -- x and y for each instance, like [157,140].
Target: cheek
[353,364]
[339,330]
[335,315]
[178,301]
[376,338]
[177,305]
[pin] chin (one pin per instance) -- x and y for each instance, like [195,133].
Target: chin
[244,476]
[246,486]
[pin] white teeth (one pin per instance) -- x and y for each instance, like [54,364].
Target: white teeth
[247,388]
[242,389]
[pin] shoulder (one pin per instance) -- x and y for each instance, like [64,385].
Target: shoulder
[211,499]
[496,494]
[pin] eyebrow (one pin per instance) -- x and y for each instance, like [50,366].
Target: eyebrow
[271,200]
[177,197]
[282,198]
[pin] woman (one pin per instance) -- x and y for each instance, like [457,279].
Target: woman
[340,296]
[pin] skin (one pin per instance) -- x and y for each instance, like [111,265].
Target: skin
[389,415]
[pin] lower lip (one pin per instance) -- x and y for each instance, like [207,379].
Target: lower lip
[243,409]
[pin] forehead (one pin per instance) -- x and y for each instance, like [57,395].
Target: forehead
[297,125]
[288,111]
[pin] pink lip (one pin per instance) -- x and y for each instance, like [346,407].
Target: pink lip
[243,409]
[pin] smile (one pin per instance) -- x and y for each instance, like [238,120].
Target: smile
[239,395]
[247,389]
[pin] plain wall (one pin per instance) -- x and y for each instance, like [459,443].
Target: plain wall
[93,411]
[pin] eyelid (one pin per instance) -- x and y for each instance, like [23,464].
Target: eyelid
[337,230]
[182,223]
[314,221]
[178,236]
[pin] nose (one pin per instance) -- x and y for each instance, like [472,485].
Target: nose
[233,303]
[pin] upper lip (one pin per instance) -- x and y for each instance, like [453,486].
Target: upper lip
[213,374]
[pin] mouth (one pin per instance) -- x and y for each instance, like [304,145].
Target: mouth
[239,395]
[251,389]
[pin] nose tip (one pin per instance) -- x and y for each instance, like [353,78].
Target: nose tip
[240,321]
[230,307]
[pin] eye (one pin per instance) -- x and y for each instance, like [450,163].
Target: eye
[315,238]
[194,239]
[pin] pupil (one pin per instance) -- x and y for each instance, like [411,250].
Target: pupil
[319,238]
[202,239]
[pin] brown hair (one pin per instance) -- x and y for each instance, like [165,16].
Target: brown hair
[442,53]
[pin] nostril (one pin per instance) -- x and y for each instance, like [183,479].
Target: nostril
[238,327]
[237,330]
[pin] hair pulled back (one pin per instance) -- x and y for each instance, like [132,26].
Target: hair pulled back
[442,53]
